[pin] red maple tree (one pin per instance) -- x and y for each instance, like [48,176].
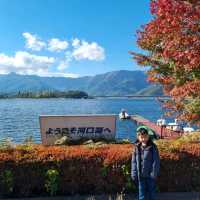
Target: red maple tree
[171,41]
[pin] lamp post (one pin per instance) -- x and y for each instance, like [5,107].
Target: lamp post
[161,131]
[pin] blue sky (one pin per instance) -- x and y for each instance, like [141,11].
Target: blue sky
[69,37]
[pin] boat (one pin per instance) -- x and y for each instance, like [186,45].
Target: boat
[178,126]
[124,115]
[188,129]
[175,126]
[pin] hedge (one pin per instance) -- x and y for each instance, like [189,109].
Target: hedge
[38,170]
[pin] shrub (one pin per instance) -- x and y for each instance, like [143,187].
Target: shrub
[52,181]
[62,170]
[129,185]
[7,182]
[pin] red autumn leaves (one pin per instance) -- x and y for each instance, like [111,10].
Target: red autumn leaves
[84,169]
[172,40]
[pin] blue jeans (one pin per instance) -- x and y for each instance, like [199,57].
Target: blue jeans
[146,189]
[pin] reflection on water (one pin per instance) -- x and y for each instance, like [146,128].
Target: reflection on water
[19,118]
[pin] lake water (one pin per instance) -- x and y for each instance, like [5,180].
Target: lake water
[19,118]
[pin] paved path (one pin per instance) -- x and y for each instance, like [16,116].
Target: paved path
[161,196]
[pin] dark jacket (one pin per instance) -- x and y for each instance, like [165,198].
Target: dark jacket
[151,161]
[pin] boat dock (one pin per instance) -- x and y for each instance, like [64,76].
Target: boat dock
[162,131]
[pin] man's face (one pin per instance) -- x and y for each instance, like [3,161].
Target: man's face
[143,138]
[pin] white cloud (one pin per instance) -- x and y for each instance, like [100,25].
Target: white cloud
[63,65]
[82,50]
[60,74]
[76,42]
[33,42]
[85,50]
[29,64]
[65,62]
[25,63]
[57,45]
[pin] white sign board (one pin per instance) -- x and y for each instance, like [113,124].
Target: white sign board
[76,127]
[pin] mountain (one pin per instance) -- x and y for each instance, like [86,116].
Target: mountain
[151,90]
[117,83]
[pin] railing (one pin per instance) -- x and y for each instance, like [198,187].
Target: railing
[162,131]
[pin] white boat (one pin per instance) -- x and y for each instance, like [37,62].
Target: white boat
[188,129]
[174,126]
[124,115]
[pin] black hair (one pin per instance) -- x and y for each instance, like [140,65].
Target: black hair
[142,131]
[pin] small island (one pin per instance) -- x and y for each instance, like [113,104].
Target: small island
[75,94]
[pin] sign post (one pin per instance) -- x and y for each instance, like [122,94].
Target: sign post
[75,127]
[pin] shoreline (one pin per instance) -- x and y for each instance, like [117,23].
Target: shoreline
[92,97]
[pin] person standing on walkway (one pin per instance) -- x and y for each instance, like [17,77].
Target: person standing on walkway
[145,165]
